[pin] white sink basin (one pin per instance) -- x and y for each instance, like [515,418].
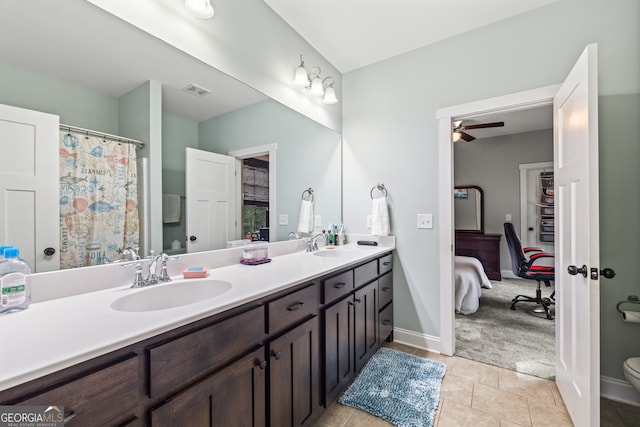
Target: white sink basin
[330,253]
[171,295]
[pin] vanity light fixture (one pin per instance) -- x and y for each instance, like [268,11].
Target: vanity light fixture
[199,8]
[314,82]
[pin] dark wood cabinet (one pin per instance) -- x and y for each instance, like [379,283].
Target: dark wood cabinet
[484,247]
[234,396]
[339,359]
[294,383]
[365,323]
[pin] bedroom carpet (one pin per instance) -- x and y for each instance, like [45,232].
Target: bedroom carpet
[519,340]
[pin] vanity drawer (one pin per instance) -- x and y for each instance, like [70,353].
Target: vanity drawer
[365,273]
[386,263]
[385,290]
[177,362]
[289,309]
[107,397]
[385,325]
[337,286]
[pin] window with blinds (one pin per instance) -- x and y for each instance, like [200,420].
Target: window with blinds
[255,182]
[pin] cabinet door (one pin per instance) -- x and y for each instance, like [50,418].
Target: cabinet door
[339,368]
[235,396]
[365,323]
[294,376]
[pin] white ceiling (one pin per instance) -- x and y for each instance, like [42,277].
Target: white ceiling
[78,42]
[520,121]
[354,33]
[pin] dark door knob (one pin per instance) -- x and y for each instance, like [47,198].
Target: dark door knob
[193,238]
[530,228]
[609,273]
[49,251]
[573,270]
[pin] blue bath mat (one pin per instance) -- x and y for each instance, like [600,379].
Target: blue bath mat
[398,387]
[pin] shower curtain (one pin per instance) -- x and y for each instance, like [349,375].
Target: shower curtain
[98,199]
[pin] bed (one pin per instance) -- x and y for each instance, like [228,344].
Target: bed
[470,278]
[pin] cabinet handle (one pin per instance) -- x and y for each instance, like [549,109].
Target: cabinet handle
[358,300]
[386,322]
[385,289]
[339,285]
[69,417]
[386,263]
[295,306]
[276,354]
[261,364]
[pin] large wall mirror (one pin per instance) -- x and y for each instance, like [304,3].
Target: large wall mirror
[469,208]
[86,70]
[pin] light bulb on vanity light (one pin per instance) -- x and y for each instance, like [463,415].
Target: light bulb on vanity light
[199,8]
[301,78]
[316,87]
[330,95]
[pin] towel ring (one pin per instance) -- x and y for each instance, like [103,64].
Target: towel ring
[308,191]
[631,299]
[380,187]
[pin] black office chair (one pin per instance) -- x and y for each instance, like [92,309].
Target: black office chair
[523,265]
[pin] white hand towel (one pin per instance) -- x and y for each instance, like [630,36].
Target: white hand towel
[305,221]
[380,217]
[170,208]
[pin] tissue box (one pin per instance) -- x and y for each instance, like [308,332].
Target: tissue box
[195,273]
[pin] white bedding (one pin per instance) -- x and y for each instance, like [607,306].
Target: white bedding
[469,279]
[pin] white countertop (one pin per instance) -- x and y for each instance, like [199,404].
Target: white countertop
[58,333]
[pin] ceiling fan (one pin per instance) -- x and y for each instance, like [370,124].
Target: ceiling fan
[459,129]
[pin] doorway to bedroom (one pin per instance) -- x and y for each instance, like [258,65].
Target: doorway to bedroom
[492,159]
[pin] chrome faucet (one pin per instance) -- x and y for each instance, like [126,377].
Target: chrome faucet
[152,278]
[293,235]
[312,243]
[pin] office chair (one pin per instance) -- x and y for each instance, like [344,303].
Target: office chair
[523,266]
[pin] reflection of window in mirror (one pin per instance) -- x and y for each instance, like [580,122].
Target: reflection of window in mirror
[255,198]
[468,208]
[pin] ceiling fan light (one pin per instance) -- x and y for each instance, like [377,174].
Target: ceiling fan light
[456,136]
[330,96]
[316,87]
[199,8]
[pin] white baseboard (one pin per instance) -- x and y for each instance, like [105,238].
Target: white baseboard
[620,391]
[416,339]
[610,388]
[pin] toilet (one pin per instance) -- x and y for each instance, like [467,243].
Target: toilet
[632,371]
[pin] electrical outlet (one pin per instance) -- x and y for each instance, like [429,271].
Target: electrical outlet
[369,220]
[283,219]
[425,220]
[318,221]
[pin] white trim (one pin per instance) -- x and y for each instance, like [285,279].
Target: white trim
[524,196]
[261,150]
[445,117]
[416,339]
[620,391]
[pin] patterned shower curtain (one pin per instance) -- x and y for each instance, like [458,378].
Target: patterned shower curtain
[98,199]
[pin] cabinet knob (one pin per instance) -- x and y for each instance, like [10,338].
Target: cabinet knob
[358,300]
[261,364]
[386,322]
[351,303]
[385,289]
[276,354]
[295,306]
[339,285]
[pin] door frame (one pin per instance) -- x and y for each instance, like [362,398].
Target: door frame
[247,153]
[445,116]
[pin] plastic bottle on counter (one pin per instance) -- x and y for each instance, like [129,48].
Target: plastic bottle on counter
[15,282]
[2,248]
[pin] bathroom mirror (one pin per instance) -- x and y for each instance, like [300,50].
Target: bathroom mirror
[76,72]
[468,204]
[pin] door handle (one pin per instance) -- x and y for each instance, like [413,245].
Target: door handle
[573,270]
[49,251]
[608,273]
[193,238]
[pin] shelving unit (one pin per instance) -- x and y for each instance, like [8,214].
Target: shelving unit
[546,208]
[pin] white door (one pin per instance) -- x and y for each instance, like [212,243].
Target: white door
[210,199]
[29,177]
[575,110]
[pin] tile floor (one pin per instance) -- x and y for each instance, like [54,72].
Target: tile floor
[474,394]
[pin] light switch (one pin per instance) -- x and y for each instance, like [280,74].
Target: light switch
[317,221]
[425,220]
[507,217]
[283,219]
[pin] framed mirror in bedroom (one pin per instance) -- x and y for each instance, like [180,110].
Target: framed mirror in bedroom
[468,204]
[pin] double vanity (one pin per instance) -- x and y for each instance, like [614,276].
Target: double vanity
[266,345]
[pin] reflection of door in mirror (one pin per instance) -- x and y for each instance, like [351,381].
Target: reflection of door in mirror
[28,194]
[469,208]
[255,198]
[211,200]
